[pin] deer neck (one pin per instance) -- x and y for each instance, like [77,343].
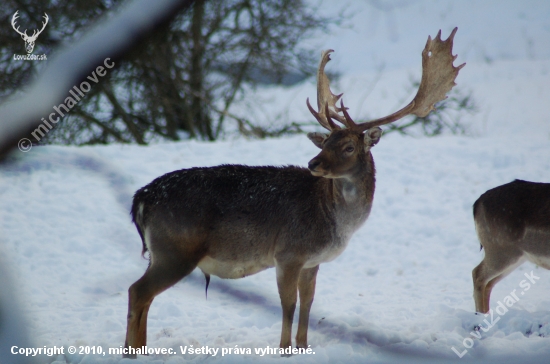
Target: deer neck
[352,195]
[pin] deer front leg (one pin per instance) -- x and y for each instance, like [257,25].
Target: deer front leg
[287,282]
[306,287]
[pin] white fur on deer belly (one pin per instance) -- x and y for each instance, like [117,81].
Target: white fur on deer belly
[541,261]
[230,269]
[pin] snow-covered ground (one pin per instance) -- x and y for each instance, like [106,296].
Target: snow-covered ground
[402,290]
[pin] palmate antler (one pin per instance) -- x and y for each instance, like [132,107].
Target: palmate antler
[438,76]
[325,98]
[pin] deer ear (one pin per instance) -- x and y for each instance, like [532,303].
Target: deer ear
[317,139]
[372,137]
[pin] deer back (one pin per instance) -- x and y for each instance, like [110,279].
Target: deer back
[517,204]
[512,211]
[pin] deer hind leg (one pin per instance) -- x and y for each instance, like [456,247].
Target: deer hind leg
[161,275]
[287,282]
[495,266]
[306,287]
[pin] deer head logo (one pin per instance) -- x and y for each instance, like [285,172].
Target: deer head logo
[29,41]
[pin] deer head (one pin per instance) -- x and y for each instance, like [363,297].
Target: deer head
[342,146]
[29,40]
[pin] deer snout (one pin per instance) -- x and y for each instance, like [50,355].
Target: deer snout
[313,164]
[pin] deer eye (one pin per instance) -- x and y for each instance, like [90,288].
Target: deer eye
[349,149]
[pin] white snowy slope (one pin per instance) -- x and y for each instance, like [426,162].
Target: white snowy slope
[400,292]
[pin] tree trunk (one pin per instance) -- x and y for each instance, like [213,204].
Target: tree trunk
[200,118]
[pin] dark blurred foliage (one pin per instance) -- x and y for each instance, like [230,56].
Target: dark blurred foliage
[182,81]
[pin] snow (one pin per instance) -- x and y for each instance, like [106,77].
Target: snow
[401,291]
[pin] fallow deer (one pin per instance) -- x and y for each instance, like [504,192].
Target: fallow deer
[233,221]
[513,225]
